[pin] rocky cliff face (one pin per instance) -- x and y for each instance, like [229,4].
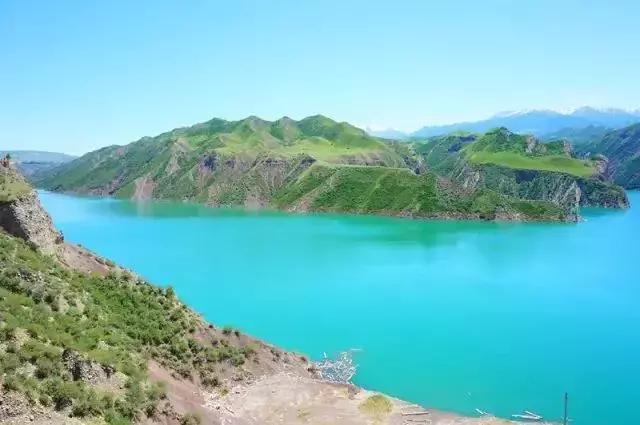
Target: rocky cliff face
[22,215]
[562,189]
[620,152]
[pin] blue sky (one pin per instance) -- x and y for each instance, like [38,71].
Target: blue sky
[78,75]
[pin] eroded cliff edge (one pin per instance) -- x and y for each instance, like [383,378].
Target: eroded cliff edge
[22,215]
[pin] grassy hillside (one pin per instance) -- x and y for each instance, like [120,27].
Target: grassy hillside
[503,148]
[80,343]
[383,190]
[176,156]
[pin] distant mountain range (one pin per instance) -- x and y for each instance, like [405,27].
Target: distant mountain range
[537,122]
[32,162]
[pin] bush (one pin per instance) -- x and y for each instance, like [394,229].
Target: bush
[190,419]
[44,368]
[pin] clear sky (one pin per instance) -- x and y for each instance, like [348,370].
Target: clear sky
[78,75]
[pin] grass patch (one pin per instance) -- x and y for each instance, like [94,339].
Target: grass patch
[376,406]
[12,186]
[362,189]
[555,163]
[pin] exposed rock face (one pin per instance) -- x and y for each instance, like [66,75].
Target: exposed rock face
[25,218]
[622,151]
[561,189]
[85,370]
[248,181]
[143,188]
[531,144]
[598,193]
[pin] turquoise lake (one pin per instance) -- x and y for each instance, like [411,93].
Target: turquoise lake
[451,315]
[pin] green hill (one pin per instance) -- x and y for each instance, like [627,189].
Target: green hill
[176,159]
[518,166]
[316,164]
[399,191]
[504,148]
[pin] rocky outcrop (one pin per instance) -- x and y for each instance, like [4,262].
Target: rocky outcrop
[82,369]
[250,182]
[24,217]
[143,188]
[599,193]
[621,151]
[568,191]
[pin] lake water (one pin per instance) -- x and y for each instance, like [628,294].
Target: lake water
[452,315]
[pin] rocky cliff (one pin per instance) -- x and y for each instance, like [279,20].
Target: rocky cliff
[620,152]
[22,215]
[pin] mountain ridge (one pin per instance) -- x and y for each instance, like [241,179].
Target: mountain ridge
[314,164]
[30,162]
[539,122]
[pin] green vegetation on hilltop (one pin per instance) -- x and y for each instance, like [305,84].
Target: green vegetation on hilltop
[361,189]
[506,149]
[56,323]
[554,163]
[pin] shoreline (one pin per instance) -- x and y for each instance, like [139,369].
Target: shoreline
[448,217]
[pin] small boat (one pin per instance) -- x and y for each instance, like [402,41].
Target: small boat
[481,412]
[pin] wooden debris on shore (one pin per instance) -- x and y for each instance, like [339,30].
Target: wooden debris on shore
[414,413]
[528,416]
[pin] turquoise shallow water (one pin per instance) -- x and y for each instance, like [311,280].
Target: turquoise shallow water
[452,315]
